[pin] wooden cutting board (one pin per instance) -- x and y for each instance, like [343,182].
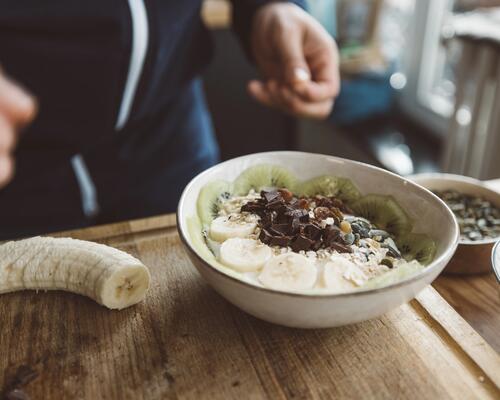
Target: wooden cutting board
[185,341]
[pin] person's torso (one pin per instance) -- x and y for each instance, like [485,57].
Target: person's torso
[96,66]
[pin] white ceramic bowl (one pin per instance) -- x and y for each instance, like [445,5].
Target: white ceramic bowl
[430,215]
[471,257]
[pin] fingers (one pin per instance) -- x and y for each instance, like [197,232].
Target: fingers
[15,103]
[17,108]
[7,141]
[293,64]
[281,97]
[7,135]
[323,65]
[317,91]
[297,106]
[292,48]
[6,169]
[258,90]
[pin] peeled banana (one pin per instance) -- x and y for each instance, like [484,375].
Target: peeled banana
[342,275]
[223,228]
[244,255]
[289,271]
[109,276]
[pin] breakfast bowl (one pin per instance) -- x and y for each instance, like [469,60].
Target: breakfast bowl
[472,256]
[317,308]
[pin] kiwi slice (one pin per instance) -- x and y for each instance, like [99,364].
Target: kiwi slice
[384,212]
[264,176]
[199,243]
[417,246]
[209,200]
[196,232]
[398,274]
[346,190]
[327,185]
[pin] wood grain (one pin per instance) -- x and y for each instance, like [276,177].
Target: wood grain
[184,341]
[476,297]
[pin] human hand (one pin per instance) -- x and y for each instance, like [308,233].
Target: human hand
[17,109]
[298,60]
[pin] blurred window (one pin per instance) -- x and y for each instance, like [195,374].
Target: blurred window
[434,86]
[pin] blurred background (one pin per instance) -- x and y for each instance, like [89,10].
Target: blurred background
[420,87]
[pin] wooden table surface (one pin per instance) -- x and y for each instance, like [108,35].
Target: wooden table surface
[475,297]
[184,341]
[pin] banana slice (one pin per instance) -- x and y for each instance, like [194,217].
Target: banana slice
[227,227]
[244,255]
[342,275]
[109,276]
[288,272]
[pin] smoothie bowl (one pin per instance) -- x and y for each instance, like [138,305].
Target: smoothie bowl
[308,240]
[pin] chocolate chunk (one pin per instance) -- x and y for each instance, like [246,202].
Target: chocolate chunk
[282,241]
[280,229]
[271,196]
[341,248]
[276,205]
[285,221]
[265,236]
[269,218]
[331,234]
[294,204]
[295,226]
[317,245]
[312,231]
[252,207]
[281,209]
[301,243]
[300,214]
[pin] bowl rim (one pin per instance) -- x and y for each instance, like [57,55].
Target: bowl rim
[447,254]
[437,176]
[494,265]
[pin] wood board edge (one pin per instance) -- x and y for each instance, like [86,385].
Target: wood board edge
[107,231]
[462,333]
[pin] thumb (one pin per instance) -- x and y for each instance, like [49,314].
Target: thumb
[293,65]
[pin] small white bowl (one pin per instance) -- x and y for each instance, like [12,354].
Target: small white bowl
[471,257]
[429,213]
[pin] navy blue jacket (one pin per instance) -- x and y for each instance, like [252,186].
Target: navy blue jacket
[76,57]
